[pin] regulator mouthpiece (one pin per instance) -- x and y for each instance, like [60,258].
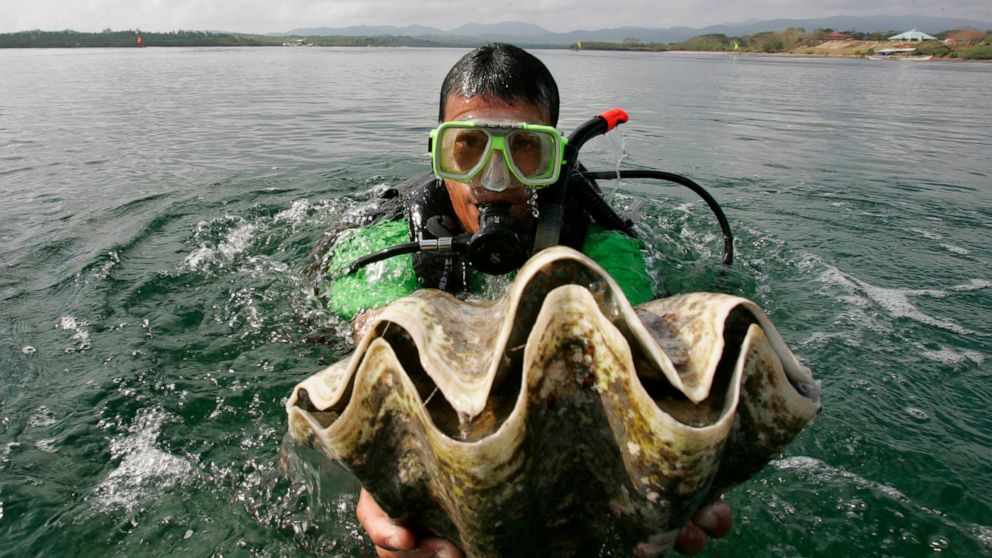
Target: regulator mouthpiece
[497,248]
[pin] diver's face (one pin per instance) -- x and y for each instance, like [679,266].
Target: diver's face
[495,183]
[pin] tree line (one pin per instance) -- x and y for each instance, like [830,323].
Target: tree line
[963,43]
[129,38]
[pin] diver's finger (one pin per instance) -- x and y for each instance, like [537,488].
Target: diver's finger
[383,531]
[439,548]
[691,540]
[715,519]
[428,548]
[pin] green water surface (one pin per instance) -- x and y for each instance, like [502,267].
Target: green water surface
[158,207]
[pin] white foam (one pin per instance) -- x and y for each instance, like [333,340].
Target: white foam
[42,417]
[5,454]
[834,276]
[197,258]
[264,264]
[358,213]
[917,413]
[896,301]
[234,243]
[296,212]
[824,471]
[144,470]
[983,534]
[244,299]
[47,445]
[821,469]
[113,258]
[970,286]
[928,234]
[946,355]
[237,241]
[81,336]
[956,249]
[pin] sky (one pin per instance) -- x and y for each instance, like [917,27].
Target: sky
[274,16]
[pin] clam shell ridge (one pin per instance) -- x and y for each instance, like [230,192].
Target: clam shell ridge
[557,417]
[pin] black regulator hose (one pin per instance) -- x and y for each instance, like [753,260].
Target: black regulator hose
[448,244]
[728,237]
[399,249]
[495,249]
[592,201]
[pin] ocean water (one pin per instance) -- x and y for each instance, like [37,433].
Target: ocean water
[157,207]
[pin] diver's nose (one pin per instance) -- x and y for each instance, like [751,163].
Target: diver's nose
[496,177]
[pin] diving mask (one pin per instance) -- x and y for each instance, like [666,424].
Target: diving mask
[534,154]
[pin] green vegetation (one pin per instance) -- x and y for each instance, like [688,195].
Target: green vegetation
[935,48]
[705,42]
[797,40]
[768,41]
[108,38]
[983,52]
[595,45]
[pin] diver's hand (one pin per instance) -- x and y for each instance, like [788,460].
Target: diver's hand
[713,520]
[394,541]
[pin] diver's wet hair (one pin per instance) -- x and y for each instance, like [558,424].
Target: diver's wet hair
[504,73]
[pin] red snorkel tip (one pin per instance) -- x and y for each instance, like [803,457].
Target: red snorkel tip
[613,117]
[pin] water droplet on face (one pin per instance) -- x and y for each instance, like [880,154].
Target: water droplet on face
[532,206]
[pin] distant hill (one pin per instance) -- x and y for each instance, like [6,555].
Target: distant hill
[526,34]
[506,28]
[363,31]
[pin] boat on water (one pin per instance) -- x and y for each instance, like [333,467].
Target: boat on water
[902,54]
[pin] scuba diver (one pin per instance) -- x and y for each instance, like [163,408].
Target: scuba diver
[497,190]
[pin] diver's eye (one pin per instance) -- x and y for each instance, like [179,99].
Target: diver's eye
[525,143]
[527,151]
[470,139]
[468,148]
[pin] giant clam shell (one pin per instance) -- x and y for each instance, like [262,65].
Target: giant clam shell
[557,418]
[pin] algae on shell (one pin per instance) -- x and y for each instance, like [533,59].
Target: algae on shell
[557,417]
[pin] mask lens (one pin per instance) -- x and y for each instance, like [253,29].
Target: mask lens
[532,153]
[462,149]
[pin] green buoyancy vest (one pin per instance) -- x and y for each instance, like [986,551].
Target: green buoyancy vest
[383,282]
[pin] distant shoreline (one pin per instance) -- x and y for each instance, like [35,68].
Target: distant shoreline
[770,54]
[645,51]
[848,48]
[965,45]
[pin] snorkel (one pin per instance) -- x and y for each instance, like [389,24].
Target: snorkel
[498,248]
[551,201]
